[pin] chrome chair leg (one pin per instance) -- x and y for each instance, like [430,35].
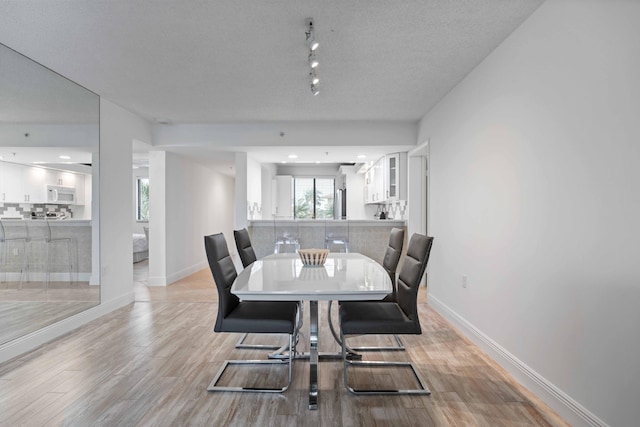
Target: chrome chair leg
[213,387]
[423,390]
[241,345]
[352,350]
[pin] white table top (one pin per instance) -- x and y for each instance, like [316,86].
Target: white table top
[282,277]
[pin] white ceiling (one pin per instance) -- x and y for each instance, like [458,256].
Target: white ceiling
[245,61]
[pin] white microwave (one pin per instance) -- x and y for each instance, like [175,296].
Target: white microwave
[61,195]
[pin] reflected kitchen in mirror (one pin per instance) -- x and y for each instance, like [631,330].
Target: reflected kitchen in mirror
[49,144]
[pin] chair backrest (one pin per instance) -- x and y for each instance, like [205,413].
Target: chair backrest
[224,273]
[411,273]
[13,230]
[392,255]
[245,250]
[286,237]
[38,230]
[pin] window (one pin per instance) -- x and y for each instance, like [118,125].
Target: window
[313,198]
[142,199]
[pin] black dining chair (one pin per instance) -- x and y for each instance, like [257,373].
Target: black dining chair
[390,264]
[390,318]
[245,250]
[260,317]
[248,257]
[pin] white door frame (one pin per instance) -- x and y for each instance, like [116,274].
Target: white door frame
[418,191]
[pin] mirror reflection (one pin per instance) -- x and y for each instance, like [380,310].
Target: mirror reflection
[49,140]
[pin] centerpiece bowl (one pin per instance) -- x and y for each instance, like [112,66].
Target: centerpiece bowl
[313,257]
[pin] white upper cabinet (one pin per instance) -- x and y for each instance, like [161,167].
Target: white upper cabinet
[28,184]
[61,178]
[374,183]
[385,180]
[395,177]
[33,188]
[10,183]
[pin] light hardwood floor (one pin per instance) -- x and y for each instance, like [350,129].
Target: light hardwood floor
[149,364]
[32,306]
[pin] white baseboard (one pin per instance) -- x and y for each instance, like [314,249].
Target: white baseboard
[572,411]
[174,277]
[41,336]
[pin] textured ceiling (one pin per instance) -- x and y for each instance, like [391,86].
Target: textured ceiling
[241,60]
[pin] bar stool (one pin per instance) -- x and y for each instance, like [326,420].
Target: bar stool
[39,232]
[336,236]
[286,238]
[12,233]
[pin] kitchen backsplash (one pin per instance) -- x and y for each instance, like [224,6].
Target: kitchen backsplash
[17,210]
[254,210]
[396,210]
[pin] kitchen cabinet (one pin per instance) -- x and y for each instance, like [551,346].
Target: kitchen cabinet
[79,184]
[395,177]
[61,178]
[284,196]
[385,180]
[374,183]
[28,184]
[10,183]
[33,188]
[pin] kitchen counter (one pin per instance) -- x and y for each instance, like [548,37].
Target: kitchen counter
[78,230]
[367,236]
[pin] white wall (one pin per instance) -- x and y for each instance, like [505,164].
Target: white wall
[118,128]
[197,201]
[268,172]
[240,191]
[157,218]
[534,197]
[267,134]
[254,188]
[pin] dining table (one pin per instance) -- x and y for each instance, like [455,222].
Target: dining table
[284,277]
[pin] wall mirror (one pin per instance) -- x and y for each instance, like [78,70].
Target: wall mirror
[49,144]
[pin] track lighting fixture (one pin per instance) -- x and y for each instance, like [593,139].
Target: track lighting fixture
[313,44]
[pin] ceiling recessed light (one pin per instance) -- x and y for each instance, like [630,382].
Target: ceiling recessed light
[361,156]
[292,156]
[283,161]
[64,157]
[38,163]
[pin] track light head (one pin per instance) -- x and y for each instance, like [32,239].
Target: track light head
[313,62]
[315,89]
[313,78]
[311,37]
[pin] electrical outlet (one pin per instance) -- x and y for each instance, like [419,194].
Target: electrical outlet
[464,280]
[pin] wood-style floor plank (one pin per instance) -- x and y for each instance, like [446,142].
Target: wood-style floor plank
[149,364]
